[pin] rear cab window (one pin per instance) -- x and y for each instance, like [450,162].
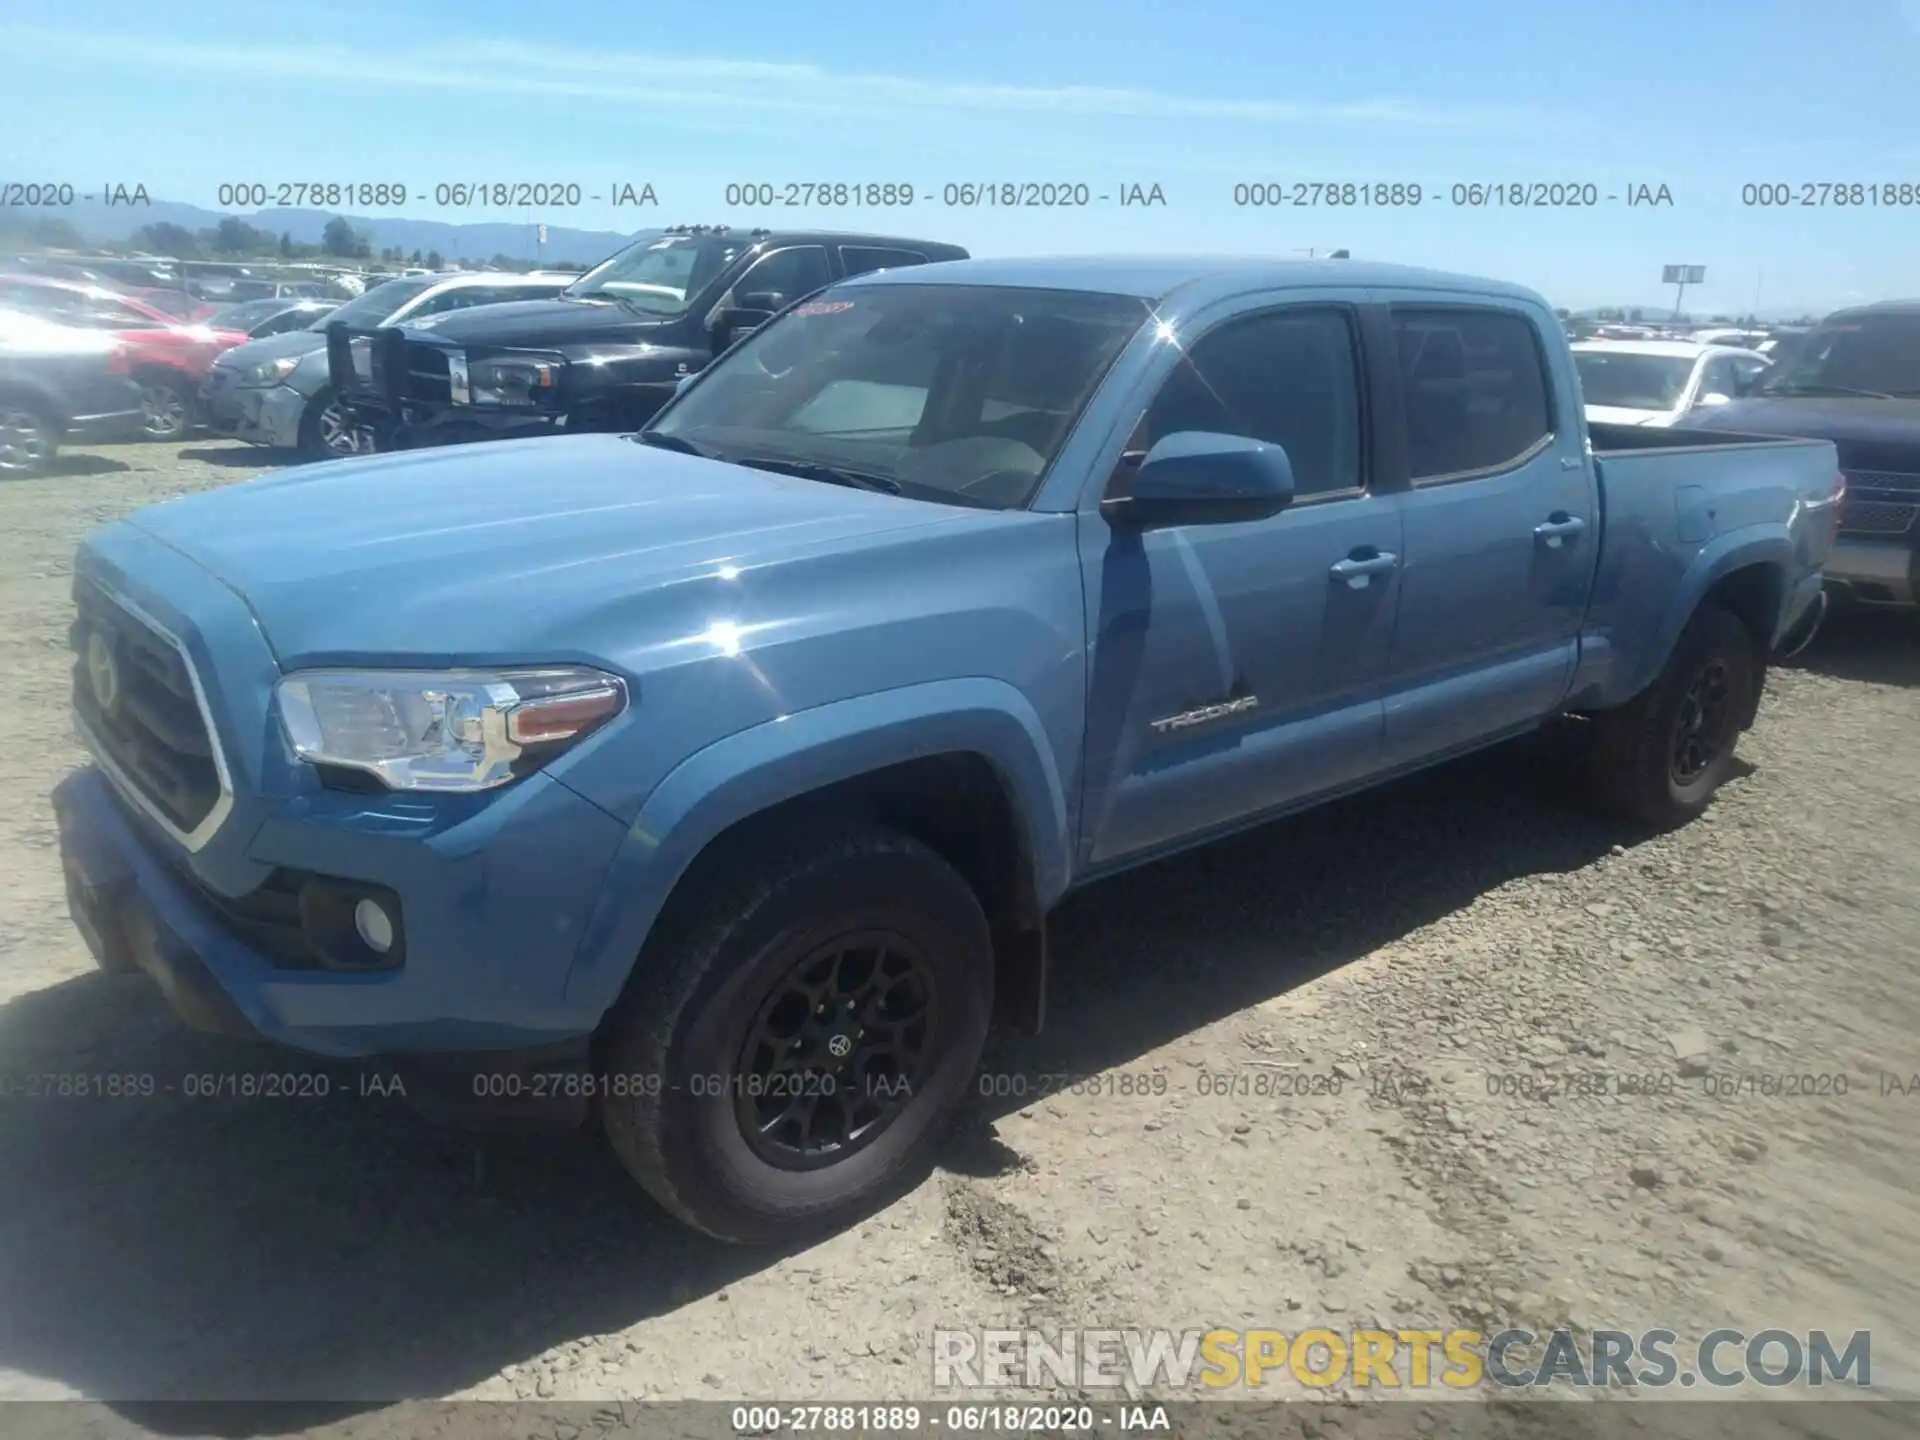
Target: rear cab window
[1474,389]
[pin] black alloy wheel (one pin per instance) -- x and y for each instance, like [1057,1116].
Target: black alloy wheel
[837,1050]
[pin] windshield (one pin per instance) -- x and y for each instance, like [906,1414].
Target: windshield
[962,394]
[1876,355]
[662,274]
[375,306]
[1632,382]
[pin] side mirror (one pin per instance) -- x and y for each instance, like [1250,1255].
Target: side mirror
[1716,398]
[685,380]
[1197,477]
[729,323]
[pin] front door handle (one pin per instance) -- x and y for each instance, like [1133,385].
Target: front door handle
[1559,528]
[1356,572]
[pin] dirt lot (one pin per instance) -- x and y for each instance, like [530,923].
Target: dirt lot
[1448,950]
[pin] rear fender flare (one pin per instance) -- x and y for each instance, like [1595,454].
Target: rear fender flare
[1736,550]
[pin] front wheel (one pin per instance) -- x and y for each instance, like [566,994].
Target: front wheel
[812,1018]
[326,430]
[1660,759]
[166,410]
[29,440]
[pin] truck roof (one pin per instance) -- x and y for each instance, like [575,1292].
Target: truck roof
[1879,307]
[1154,277]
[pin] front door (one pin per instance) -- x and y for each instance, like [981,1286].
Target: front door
[1237,668]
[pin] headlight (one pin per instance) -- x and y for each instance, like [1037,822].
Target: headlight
[268,372]
[515,380]
[445,730]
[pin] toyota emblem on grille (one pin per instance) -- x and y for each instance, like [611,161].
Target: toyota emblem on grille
[103,671]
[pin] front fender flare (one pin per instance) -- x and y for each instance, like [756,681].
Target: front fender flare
[749,772]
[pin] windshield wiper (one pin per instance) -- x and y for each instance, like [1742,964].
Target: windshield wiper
[1802,389]
[661,440]
[813,470]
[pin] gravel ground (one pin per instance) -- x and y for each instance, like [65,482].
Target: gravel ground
[1453,953]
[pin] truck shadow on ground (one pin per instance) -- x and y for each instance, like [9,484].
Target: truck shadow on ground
[75,464]
[1879,648]
[229,456]
[175,1248]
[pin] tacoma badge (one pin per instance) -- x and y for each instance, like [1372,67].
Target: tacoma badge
[1189,718]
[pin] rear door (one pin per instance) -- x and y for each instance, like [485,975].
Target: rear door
[1501,522]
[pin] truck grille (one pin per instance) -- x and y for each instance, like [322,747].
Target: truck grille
[1876,517]
[427,379]
[135,699]
[1880,502]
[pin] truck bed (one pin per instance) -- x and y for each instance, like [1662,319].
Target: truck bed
[1668,496]
[1618,439]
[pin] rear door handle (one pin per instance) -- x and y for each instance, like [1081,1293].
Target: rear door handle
[1356,572]
[1559,528]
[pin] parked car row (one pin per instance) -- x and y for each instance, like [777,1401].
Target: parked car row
[607,350]
[428,359]
[58,383]
[169,357]
[277,391]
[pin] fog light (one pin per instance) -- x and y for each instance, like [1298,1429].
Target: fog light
[375,926]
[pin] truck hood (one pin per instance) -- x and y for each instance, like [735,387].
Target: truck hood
[542,323]
[513,550]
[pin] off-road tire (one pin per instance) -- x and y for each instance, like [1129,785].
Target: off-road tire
[1633,772]
[707,971]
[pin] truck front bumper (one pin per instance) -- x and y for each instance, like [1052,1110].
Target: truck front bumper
[477,1033]
[1881,574]
[419,427]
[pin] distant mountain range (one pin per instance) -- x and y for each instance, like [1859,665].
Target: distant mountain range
[103,224]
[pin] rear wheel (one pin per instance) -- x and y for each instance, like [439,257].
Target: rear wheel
[805,1029]
[1660,759]
[29,439]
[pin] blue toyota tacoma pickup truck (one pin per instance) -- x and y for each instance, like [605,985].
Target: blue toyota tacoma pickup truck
[715,781]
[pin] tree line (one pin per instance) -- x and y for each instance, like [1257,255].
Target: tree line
[234,239]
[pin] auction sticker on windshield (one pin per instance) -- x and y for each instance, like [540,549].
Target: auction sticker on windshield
[823,307]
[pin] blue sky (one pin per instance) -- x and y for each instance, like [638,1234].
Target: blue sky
[1194,95]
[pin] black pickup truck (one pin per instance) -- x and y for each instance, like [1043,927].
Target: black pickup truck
[608,351]
[1855,380]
